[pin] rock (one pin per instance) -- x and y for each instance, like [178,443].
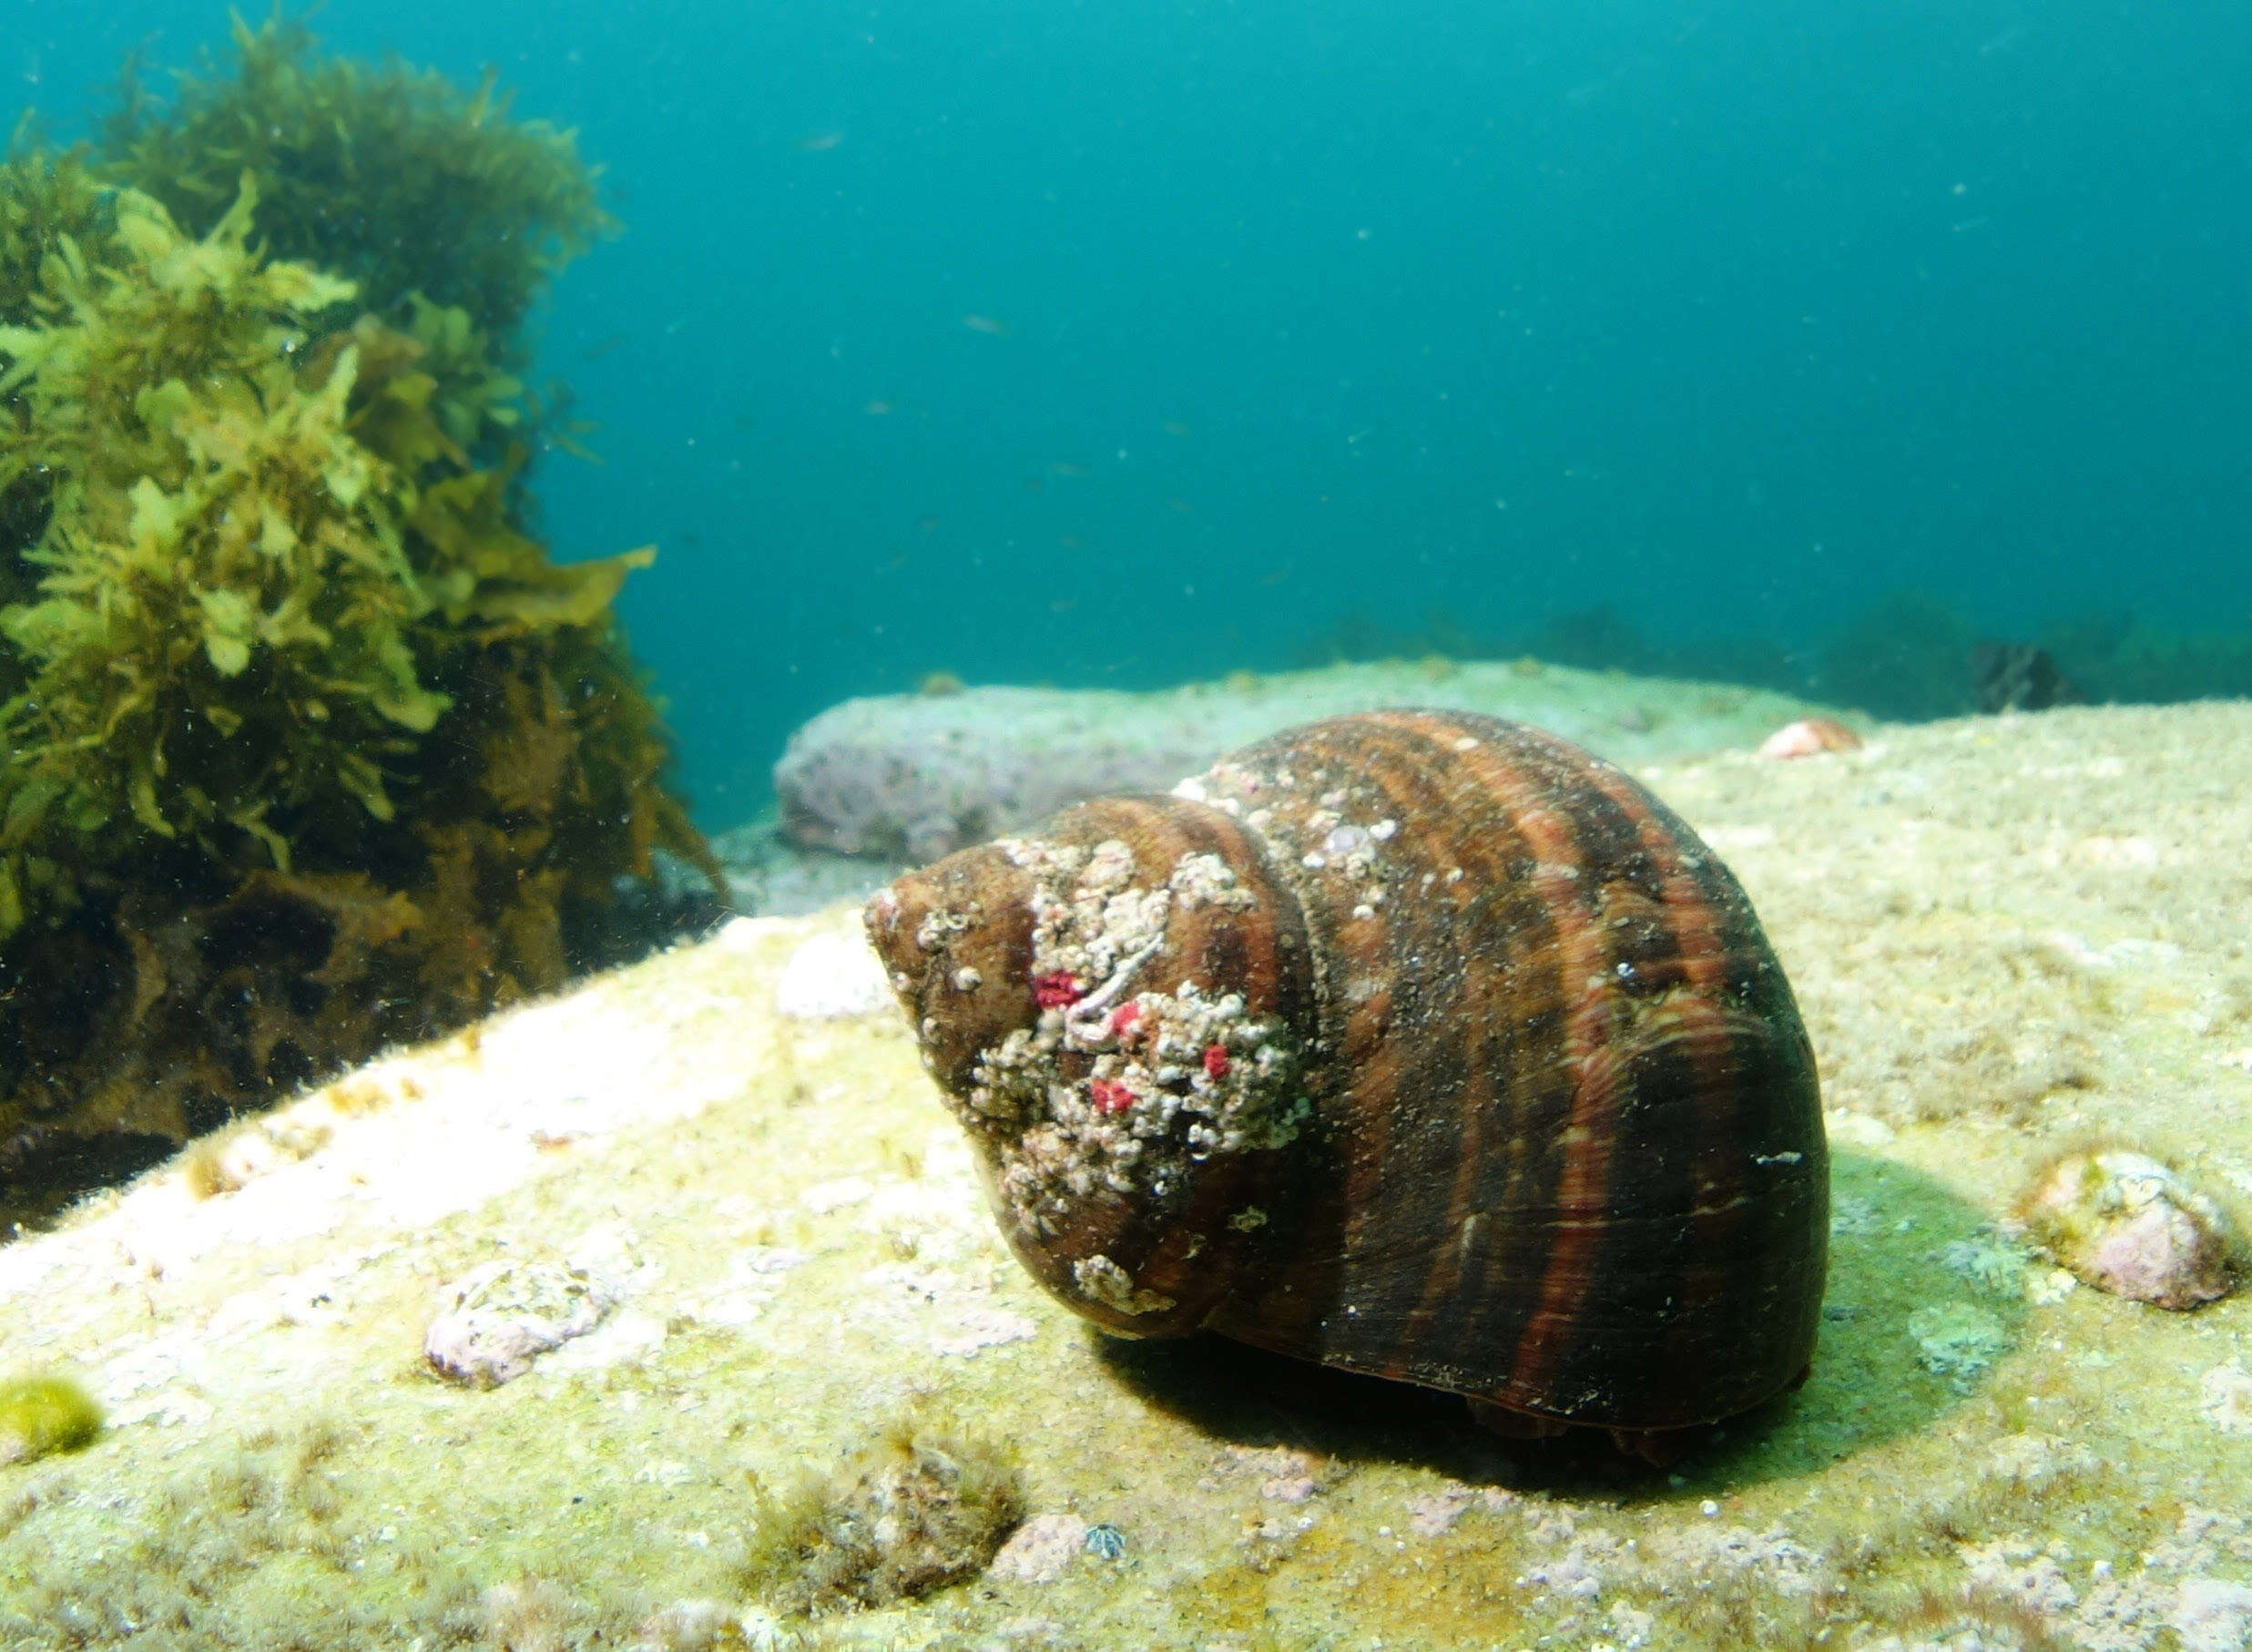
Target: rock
[500,1316]
[2125,1223]
[921,775]
[1042,1549]
[1809,737]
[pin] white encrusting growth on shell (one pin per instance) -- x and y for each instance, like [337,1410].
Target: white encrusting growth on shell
[1082,1023]
[1324,837]
[1113,1088]
[1100,1279]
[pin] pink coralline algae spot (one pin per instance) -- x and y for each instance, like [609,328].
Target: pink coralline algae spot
[1109,1096]
[1214,1061]
[1053,992]
[1124,1019]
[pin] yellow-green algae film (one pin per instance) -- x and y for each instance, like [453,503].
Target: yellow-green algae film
[1986,1453]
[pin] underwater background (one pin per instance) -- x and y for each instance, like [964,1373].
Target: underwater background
[1123,345]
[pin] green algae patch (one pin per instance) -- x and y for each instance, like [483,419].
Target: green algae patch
[40,1414]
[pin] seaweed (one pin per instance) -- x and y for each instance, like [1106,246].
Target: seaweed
[223,593]
[307,746]
[387,175]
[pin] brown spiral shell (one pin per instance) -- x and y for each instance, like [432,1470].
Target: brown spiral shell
[1419,1043]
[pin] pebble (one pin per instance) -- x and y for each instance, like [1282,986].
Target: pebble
[497,1318]
[2125,1223]
[1042,1549]
[1809,737]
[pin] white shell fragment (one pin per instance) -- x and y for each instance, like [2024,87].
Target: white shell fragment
[498,1317]
[2125,1223]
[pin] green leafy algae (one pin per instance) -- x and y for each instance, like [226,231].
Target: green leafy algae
[306,744]
[223,595]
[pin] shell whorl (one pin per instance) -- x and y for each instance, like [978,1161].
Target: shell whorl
[1511,1096]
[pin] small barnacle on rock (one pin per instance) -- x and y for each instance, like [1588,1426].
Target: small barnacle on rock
[2126,1223]
[920,1507]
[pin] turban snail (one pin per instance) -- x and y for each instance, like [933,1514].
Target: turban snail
[1418,1043]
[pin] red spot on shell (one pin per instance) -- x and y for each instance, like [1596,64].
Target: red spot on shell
[1110,1096]
[1214,1061]
[1052,992]
[1124,1019]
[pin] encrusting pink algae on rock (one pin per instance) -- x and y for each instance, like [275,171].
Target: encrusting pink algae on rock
[2125,1223]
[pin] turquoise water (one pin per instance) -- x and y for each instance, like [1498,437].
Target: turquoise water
[1124,344]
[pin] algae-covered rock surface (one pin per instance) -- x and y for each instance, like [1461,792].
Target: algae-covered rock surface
[2010,939]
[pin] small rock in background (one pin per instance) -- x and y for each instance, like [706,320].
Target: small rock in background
[831,977]
[2125,1223]
[1809,737]
[1042,1549]
[498,1317]
[916,776]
